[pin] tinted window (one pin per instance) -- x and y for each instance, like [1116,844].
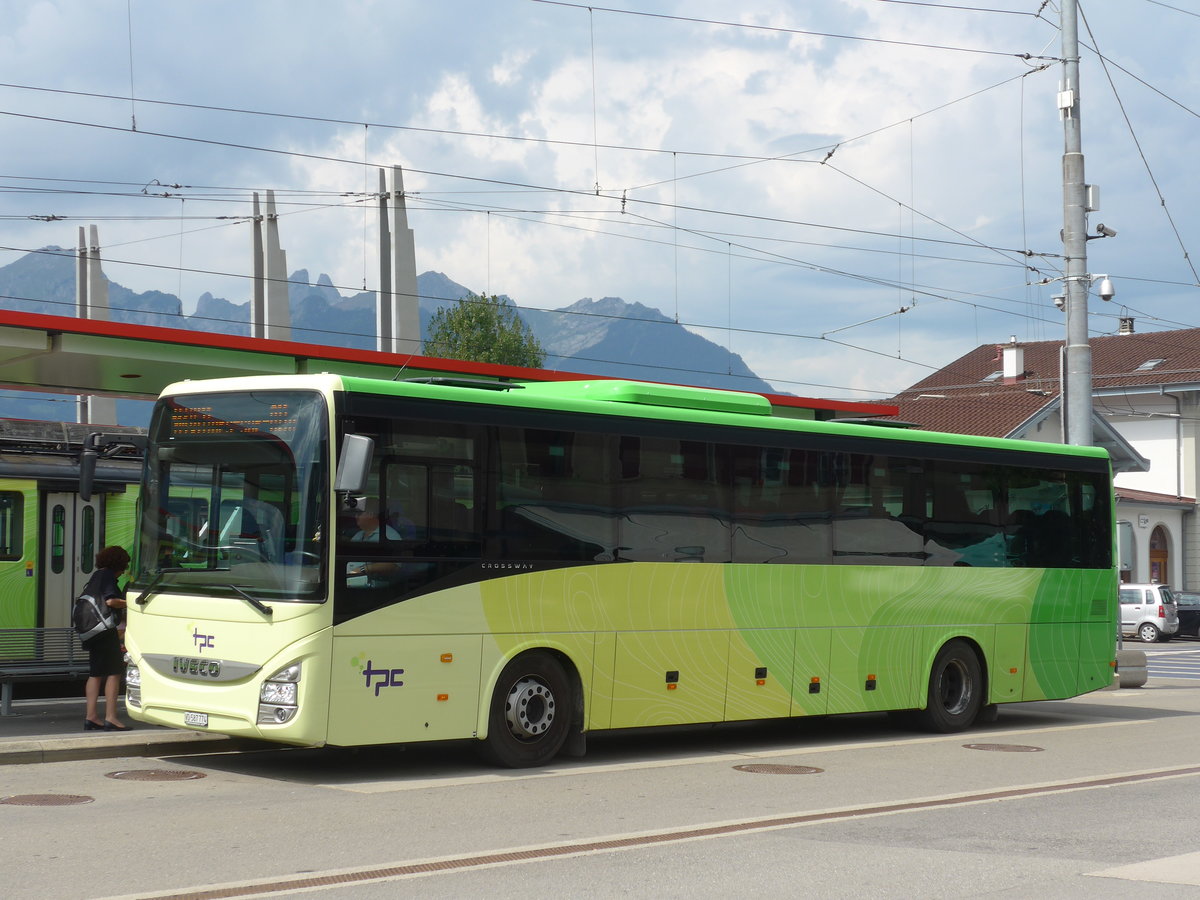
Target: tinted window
[567,492]
[554,495]
[423,483]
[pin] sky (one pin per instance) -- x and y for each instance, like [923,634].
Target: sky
[849,194]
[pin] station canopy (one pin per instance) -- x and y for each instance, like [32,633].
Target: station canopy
[63,354]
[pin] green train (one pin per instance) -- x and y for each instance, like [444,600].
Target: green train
[50,530]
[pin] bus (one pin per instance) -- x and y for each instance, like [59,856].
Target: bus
[333,560]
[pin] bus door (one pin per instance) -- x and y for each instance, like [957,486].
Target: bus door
[71,536]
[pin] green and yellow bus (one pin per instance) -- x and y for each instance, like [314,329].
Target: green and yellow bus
[335,560]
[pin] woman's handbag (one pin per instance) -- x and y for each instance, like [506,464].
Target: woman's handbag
[90,618]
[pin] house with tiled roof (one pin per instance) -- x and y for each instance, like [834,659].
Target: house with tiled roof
[1146,412]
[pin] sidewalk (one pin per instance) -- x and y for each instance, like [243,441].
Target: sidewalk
[52,730]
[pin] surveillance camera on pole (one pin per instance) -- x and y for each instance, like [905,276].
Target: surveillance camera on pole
[1060,301]
[1105,288]
[1104,231]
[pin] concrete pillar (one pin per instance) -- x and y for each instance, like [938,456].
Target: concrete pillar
[397,313]
[91,302]
[277,320]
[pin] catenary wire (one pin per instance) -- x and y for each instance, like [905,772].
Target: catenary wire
[1142,154]
[801,31]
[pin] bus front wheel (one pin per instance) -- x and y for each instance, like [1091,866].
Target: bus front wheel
[530,713]
[955,689]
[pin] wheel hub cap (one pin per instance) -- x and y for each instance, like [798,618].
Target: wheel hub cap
[529,709]
[956,688]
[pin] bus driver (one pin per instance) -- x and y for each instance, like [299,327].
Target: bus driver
[370,528]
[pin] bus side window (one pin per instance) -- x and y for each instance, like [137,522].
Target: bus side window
[781,506]
[1040,530]
[964,527]
[554,497]
[876,514]
[405,498]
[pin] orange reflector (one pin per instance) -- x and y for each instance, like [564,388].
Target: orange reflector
[447,657]
[672,686]
[760,681]
[871,678]
[1112,663]
[815,680]
[442,698]
[1012,671]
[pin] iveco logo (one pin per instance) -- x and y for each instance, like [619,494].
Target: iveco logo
[197,668]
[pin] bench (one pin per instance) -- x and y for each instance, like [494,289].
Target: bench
[38,654]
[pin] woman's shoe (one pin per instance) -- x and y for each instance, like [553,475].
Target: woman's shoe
[109,726]
[89,725]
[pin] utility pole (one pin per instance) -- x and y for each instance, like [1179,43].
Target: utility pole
[1077,387]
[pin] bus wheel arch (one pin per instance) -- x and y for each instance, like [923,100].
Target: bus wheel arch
[957,688]
[536,709]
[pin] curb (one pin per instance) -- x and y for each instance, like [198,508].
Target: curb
[108,746]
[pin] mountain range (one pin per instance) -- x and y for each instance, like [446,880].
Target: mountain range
[608,337]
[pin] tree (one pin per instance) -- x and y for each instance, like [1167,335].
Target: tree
[483,329]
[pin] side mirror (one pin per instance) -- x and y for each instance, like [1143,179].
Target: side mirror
[354,463]
[97,445]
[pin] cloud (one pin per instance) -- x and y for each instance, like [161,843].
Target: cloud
[939,182]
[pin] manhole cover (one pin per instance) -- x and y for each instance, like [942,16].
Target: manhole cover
[1005,748]
[766,769]
[46,799]
[156,775]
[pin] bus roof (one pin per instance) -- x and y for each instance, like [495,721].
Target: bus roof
[634,399]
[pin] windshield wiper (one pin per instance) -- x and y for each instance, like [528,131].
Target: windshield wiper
[142,598]
[252,600]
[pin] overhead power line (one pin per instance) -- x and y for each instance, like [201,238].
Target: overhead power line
[618,200]
[1142,154]
[825,338]
[329,120]
[778,30]
[982,9]
[1186,12]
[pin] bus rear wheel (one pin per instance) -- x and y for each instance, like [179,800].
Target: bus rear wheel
[955,690]
[530,713]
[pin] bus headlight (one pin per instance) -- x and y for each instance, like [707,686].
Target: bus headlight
[278,693]
[278,697]
[133,685]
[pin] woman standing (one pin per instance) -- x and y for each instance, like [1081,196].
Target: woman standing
[105,659]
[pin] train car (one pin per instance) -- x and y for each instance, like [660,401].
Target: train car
[50,530]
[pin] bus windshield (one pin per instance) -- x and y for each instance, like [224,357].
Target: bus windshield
[235,495]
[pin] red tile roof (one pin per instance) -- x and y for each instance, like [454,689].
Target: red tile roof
[957,397]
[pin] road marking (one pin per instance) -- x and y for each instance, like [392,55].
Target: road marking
[411,782]
[1180,664]
[331,878]
[1183,869]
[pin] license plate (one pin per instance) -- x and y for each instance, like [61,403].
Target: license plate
[192,718]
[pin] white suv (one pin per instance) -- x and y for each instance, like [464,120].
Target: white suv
[1149,611]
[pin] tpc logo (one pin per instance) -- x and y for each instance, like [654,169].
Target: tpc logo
[200,641]
[385,677]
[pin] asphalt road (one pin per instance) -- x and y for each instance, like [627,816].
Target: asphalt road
[1093,797]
